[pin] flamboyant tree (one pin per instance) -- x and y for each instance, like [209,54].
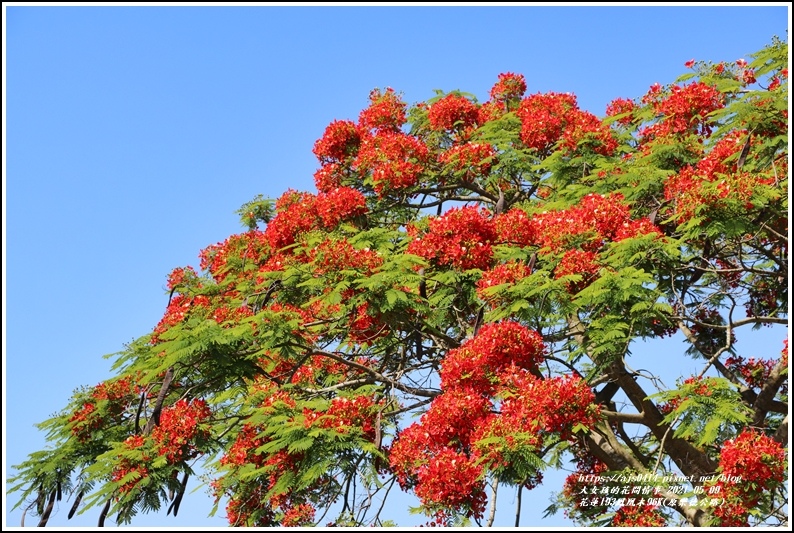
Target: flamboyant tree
[454,310]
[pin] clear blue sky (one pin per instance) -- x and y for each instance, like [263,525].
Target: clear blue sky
[132,134]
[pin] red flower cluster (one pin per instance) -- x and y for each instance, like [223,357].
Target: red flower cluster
[461,238]
[635,228]
[329,176]
[395,159]
[750,465]
[552,117]
[584,127]
[499,362]
[107,403]
[386,112]
[340,140]
[685,109]
[333,256]
[510,272]
[440,445]
[179,429]
[303,212]
[179,276]
[296,214]
[510,87]
[638,516]
[230,317]
[544,118]
[579,262]
[691,189]
[298,515]
[138,470]
[85,422]
[621,106]
[114,391]
[346,413]
[754,371]
[450,479]
[453,113]
[480,360]
[470,160]
[580,232]
[594,220]
[338,205]
[490,111]
[177,311]
[443,433]
[243,449]
[552,405]
[748,76]
[252,246]
[515,227]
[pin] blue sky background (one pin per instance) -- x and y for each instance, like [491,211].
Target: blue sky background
[132,134]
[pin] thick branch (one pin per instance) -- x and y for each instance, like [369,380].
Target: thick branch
[689,459]
[763,404]
[781,435]
[605,446]
[631,418]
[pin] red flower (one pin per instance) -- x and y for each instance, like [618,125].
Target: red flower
[386,112]
[750,465]
[748,76]
[179,428]
[515,227]
[510,272]
[452,113]
[489,111]
[339,204]
[638,516]
[621,106]
[461,237]
[340,141]
[544,118]
[552,117]
[509,87]
[578,262]
[395,159]
[179,276]
[553,405]
[452,480]
[470,160]
[685,109]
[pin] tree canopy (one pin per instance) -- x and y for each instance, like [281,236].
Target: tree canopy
[457,309]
